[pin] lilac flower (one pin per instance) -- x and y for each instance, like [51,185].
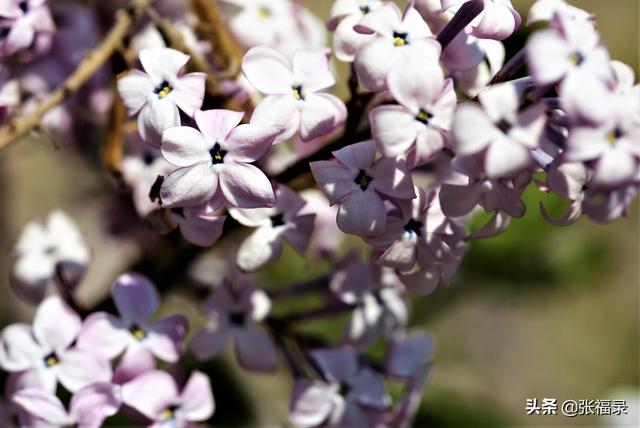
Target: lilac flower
[460,195]
[543,10]
[570,51]
[137,300]
[398,36]
[45,250]
[350,395]
[497,21]
[201,226]
[476,79]
[274,226]
[156,395]
[43,352]
[422,120]
[346,14]
[499,130]
[233,311]
[89,406]
[214,162]
[357,182]
[293,92]
[25,24]
[380,309]
[156,94]
[420,235]
[615,144]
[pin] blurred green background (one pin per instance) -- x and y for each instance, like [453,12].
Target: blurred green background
[539,312]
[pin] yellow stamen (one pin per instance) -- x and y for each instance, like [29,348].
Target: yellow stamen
[399,41]
[264,12]
[164,91]
[138,333]
[51,361]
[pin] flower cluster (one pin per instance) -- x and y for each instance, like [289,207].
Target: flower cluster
[251,154]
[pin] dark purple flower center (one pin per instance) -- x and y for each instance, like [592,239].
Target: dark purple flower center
[345,388]
[217,154]
[504,125]
[400,38]
[277,220]
[365,9]
[51,360]
[424,117]
[163,89]
[4,32]
[50,250]
[148,158]
[414,226]
[178,211]
[363,180]
[24,6]
[297,92]
[237,318]
[614,136]
[137,332]
[169,413]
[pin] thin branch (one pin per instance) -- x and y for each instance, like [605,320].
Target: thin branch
[95,59]
[113,150]
[460,20]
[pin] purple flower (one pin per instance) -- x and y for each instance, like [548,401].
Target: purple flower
[274,226]
[214,162]
[379,307]
[358,183]
[43,248]
[497,21]
[25,24]
[420,235]
[422,120]
[409,354]
[156,395]
[499,130]
[570,51]
[233,311]
[614,144]
[293,92]
[44,354]
[89,406]
[156,94]
[398,36]
[346,14]
[137,300]
[349,395]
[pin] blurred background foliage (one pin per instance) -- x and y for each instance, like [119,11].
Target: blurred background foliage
[539,311]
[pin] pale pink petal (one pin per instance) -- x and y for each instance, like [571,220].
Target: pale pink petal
[249,142]
[151,393]
[493,227]
[394,128]
[392,178]
[459,200]
[134,88]
[43,406]
[165,338]
[400,255]
[260,249]
[320,114]
[191,186]
[416,83]
[503,198]
[311,402]
[498,21]
[268,71]
[472,129]
[334,180]
[359,155]
[18,348]
[103,335]
[336,364]
[298,233]
[584,144]
[422,282]
[77,369]
[373,63]
[362,213]
[163,63]
[548,57]
[210,342]
[196,399]
[202,230]
[278,110]
[184,146]
[504,158]
[216,125]
[255,349]
[155,117]
[135,361]
[56,324]
[311,70]
[135,296]
[246,186]
[188,92]
[615,167]
[91,405]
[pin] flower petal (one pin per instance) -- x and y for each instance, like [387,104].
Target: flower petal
[103,335]
[162,63]
[209,342]
[216,125]
[165,338]
[255,349]
[151,393]
[196,399]
[320,114]
[188,92]
[260,249]
[77,369]
[268,71]
[362,213]
[394,128]
[91,405]
[42,406]
[135,297]
[190,186]
[246,186]
[155,117]
[134,88]
[56,324]
[184,146]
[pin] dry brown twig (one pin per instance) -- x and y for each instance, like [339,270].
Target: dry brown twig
[22,125]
